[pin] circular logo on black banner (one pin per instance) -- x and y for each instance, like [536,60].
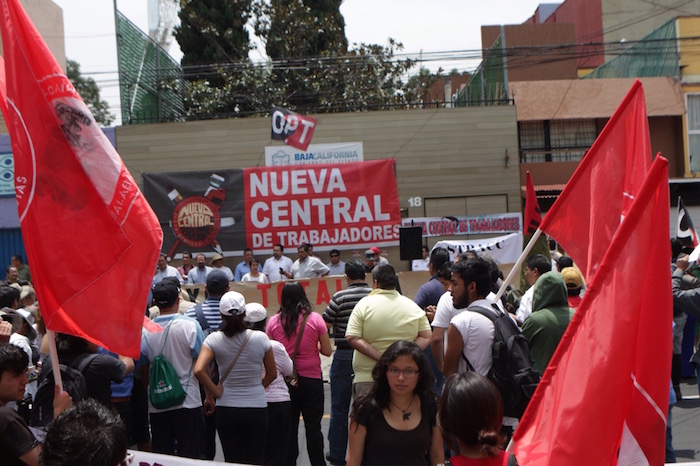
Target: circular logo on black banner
[196,221]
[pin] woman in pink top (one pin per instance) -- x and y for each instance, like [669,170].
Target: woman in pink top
[307,399]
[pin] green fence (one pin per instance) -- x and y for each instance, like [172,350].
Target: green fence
[150,81]
[655,55]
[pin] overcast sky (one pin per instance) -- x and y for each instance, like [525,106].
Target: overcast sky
[435,26]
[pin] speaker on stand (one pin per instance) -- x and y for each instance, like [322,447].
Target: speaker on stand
[411,243]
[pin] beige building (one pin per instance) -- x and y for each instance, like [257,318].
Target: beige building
[448,161]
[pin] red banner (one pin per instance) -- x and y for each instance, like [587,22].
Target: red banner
[325,205]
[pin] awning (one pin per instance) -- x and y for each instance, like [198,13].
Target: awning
[592,98]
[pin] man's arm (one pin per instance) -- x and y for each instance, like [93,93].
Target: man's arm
[455,346]
[423,339]
[361,345]
[437,346]
[686,300]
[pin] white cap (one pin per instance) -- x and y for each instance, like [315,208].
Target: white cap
[255,312]
[232,303]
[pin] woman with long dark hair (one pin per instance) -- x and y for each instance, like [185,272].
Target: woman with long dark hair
[241,407]
[304,334]
[471,414]
[395,422]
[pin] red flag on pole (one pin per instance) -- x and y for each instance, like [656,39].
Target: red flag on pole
[91,238]
[533,215]
[607,385]
[588,212]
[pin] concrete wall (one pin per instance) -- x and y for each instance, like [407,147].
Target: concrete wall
[587,17]
[450,160]
[689,61]
[529,59]
[634,19]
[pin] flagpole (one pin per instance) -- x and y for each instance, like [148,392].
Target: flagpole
[54,359]
[518,264]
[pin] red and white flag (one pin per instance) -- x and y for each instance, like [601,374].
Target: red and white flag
[294,129]
[685,231]
[91,238]
[588,212]
[604,396]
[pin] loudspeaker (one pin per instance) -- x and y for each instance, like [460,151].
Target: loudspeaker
[411,243]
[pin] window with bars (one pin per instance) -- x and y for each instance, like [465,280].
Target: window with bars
[555,141]
[693,106]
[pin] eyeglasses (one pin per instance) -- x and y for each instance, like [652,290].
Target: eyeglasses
[408,373]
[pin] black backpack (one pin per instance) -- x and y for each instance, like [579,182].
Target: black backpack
[512,369]
[73,383]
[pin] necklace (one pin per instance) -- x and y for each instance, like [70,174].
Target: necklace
[406,413]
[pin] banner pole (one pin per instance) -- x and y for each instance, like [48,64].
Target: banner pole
[54,359]
[518,264]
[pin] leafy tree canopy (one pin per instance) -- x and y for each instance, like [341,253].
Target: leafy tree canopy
[90,92]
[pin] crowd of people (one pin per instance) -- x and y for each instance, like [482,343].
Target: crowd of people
[411,381]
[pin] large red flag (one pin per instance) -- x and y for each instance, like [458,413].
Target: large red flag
[91,238]
[607,385]
[585,216]
[533,215]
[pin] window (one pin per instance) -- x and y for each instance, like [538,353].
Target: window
[693,106]
[556,141]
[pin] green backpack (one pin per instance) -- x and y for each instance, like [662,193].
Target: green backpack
[164,387]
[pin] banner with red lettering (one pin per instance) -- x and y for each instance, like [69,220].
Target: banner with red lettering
[466,225]
[339,206]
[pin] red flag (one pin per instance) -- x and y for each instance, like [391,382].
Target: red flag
[599,193]
[91,238]
[684,228]
[607,385]
[533,215]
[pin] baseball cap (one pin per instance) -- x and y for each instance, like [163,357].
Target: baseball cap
[232,303]
[165,292]
[572,278]
[217,281]
[375,250]
[255,312]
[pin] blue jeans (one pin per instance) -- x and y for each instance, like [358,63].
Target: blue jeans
[341,393]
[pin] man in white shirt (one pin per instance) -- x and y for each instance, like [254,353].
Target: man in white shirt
[307,266]
[198,275]
[278,267]
[534,267]
[422,264]
[164,271]
[335,266]
[217,263]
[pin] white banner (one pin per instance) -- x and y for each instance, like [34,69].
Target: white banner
[142,458]
[344,152]
[467,225]
[504,249]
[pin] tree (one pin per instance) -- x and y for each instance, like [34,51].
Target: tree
[310,68]
[90,92]
[213,32]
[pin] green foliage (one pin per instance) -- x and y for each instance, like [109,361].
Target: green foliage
[311,68]
[90,92]
[213,32]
